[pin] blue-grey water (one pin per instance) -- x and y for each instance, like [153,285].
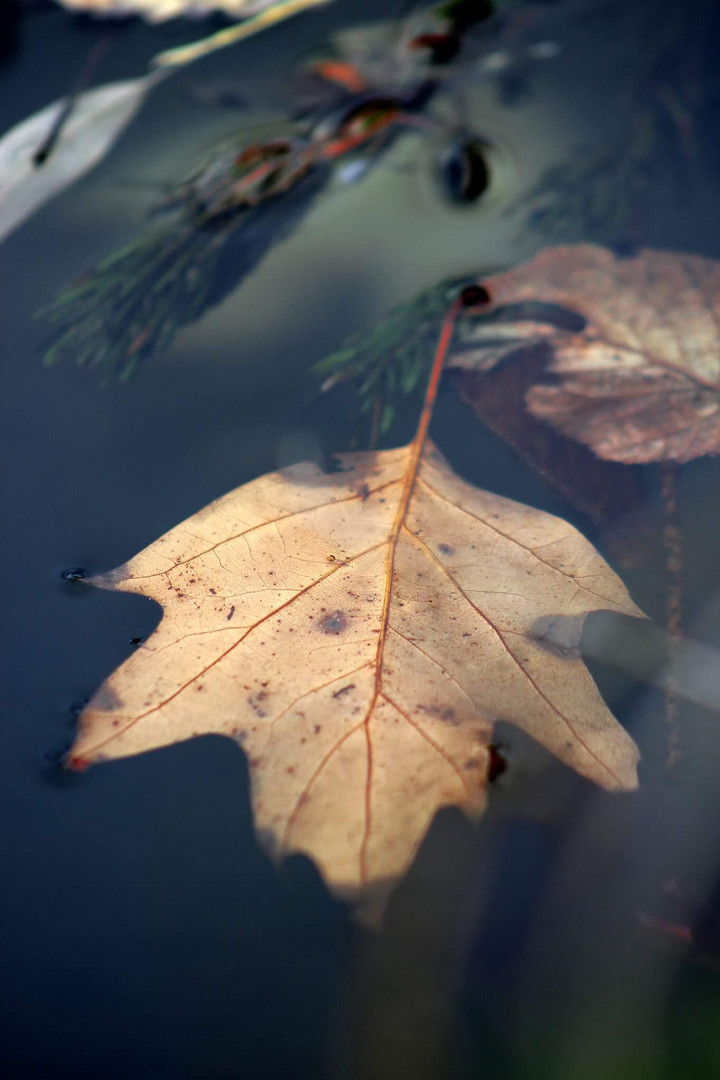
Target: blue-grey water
[144,933]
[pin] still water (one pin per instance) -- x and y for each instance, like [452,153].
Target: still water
[145,934]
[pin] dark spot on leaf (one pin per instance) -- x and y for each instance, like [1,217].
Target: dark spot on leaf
[255,701]
[230,613]
[335,622]
[446,713]
[106,700]
[446,549]
[344,690]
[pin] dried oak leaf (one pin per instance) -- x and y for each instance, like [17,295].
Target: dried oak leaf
[640,381]
[605,490]
[358,633]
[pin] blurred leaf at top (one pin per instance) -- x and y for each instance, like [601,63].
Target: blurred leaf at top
[242,198]
[160,10]
[374,82]
[254,16]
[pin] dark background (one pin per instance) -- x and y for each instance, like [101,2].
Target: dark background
[144,933]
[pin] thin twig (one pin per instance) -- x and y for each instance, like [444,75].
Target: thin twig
[87,71]
[186,54]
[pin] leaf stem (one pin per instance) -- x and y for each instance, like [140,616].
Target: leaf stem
[446,333]
[86,73]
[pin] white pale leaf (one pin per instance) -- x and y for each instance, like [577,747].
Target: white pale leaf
[96,122]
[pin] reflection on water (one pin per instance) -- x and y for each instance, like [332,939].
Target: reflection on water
[147,935]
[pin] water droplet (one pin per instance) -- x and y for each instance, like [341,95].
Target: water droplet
[75,573]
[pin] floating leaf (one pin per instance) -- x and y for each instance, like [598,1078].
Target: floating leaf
[95,123]
[638,378]
[605,490]
[358,633]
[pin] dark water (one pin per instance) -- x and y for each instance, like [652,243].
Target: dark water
[144,933]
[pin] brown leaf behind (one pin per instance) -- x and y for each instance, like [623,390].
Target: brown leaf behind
[604,490]
[641,381]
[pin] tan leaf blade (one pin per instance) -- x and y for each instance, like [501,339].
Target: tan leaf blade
[358,633]
[641,381]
